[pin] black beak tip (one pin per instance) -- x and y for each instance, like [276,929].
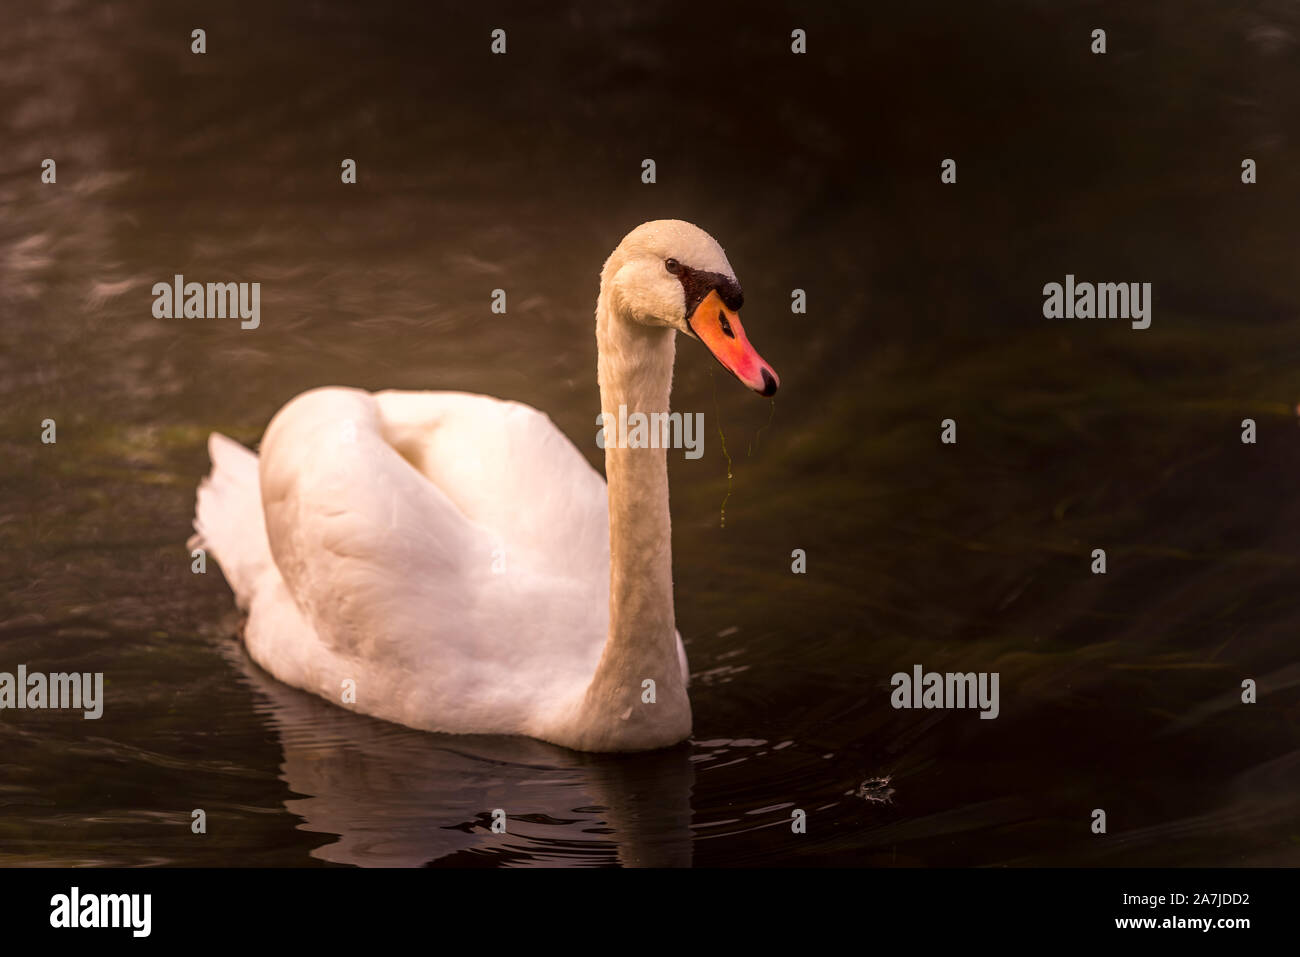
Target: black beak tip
[769,383]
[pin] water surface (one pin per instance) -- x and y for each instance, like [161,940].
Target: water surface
[817,172]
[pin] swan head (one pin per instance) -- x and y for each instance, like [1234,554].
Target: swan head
[672,273]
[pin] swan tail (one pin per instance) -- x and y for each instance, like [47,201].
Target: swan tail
[228,522]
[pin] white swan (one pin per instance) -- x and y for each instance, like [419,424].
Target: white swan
[451,562]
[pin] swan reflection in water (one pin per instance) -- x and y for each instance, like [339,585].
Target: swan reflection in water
[396,797]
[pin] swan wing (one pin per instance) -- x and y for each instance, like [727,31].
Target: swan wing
[443,547]
[507,468]
[446,553]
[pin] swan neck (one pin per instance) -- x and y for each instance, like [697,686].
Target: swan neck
[635,366]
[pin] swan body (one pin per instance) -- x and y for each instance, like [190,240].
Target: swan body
[451,562]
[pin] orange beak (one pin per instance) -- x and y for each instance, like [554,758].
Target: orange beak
[719,328]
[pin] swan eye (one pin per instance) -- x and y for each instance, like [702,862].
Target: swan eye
[673,266]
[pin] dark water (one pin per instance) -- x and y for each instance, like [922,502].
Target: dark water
[818,172]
